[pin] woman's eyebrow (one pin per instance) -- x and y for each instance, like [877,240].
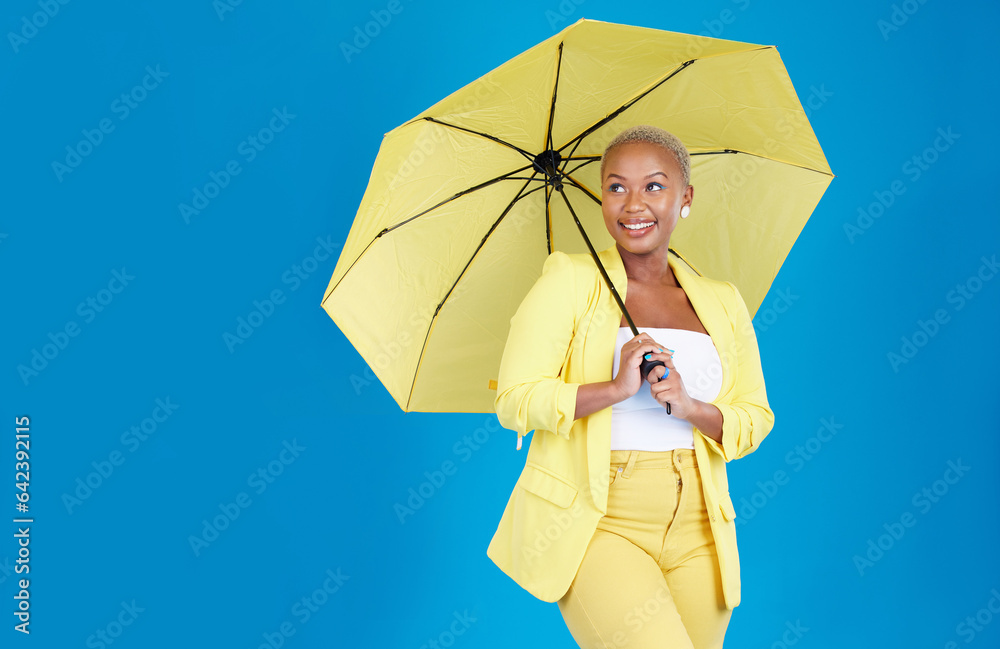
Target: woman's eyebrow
[655,173]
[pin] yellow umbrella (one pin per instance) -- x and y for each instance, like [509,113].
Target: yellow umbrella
[466,200]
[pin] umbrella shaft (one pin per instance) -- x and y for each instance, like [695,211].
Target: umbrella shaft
[647,365]
[600,266]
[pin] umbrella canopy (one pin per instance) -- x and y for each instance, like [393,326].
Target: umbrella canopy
[460,210]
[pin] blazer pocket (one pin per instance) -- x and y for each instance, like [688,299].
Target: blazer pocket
[547,485]
[726,505]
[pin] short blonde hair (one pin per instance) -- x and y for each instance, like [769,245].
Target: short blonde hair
[652,135]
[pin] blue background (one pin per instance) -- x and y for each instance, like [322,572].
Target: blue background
[330,506]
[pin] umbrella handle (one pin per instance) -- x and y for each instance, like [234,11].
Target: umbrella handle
[646,367]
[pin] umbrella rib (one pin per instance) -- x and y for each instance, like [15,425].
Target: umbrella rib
[594,158]
[762,157]
[458,195]
[576,141]
[589,159]
[520,194]
[583,188]
[552,106]
[494,138]
[626,106]
[548,218]
[485,183]
[581,165]
[684,259]
[573,150]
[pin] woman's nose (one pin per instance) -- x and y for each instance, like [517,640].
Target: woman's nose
[634,203]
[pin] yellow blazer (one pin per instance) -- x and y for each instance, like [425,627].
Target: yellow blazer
[563,335]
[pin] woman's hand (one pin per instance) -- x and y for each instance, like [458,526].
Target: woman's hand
[666,386]
[629,379]
[591,397]
[706,417]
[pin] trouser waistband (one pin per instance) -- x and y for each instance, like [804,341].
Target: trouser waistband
[678,458]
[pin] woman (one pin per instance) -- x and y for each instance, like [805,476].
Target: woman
[622,513]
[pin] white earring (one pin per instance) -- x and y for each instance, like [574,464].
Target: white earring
[685,211]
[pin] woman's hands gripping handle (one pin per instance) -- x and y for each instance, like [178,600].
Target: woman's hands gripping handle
[642,353]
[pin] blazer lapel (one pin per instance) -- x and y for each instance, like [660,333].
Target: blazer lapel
[712,314]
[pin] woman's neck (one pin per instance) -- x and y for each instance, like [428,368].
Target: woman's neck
[650,268]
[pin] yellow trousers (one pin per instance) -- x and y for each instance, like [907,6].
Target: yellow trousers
[650,576]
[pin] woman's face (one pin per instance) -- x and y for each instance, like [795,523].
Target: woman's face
[642,193]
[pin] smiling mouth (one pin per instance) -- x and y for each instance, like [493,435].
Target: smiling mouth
[638,226]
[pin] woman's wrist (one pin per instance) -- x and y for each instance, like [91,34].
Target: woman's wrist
[592,397]
[707,418]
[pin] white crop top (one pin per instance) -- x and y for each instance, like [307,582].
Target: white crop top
[640,423]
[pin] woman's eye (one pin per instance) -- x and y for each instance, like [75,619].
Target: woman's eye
[616,187]
[654,186]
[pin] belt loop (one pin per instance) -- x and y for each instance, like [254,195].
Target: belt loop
[632,456]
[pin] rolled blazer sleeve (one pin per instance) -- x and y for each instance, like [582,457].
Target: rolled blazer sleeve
[746,417]
[531,392]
